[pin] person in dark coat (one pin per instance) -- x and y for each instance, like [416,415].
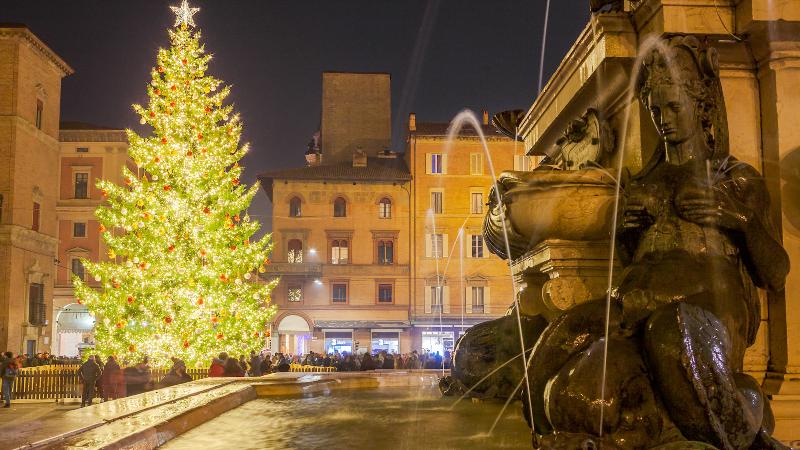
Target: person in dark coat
[9,369]
[217,368]
[176,375]
[266,365]
[112,380]
[283,364]
[255,364]
[89,373]
[233,369]
[137,378]
[367,363]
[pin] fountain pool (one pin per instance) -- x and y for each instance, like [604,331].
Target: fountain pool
[386,418]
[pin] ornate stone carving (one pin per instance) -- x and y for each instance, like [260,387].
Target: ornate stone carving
[695,239]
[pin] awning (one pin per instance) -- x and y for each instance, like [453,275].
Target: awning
[75,319]
[361,324]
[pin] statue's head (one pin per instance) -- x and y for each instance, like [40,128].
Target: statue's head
[679,84]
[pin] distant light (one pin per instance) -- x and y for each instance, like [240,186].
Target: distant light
[318,282]
[312,251]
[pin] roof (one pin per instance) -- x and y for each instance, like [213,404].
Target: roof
[440,129]
[75,125]
[377,169]
[87,132]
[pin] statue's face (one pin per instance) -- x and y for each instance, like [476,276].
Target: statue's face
[674,114]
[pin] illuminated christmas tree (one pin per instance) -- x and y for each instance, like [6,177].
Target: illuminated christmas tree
[181,276]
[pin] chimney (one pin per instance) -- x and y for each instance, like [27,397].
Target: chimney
[359,158]
[412,122]
[485,117]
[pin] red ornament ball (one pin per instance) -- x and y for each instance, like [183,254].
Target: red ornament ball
[163,140]
[171,248]
[160,69]
[167,187]
[220,336]
[167,319]
[152,114]
[199,136]
[157,92]
[184,61]
[172,104]
[102,228]
[207,210]
[200,301]
[185,344]
[173,87]
[189,153]
[130,299]
[235,181]
[132,348]
[119,325]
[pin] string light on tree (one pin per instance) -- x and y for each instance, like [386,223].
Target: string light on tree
[179,278]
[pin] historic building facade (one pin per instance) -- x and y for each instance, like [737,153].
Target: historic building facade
[457,281]
[87,153]
[30,93]
[362,234]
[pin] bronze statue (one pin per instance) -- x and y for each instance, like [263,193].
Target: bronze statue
[696,240]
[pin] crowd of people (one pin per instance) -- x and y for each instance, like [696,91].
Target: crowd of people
[108,380]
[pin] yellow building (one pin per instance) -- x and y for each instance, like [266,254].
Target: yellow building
[363,263]
[457,281]
[30,95]
[87,153]
[340,229]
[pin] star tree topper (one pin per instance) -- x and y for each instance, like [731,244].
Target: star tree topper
[184,14]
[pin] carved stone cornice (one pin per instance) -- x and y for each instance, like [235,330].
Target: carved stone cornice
[25,35]
[93,136]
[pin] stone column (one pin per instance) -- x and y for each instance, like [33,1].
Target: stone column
[777,51]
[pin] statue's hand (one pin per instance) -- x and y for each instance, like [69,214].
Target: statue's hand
[713,207]
[636,216]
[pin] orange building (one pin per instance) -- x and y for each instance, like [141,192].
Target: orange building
[87,153]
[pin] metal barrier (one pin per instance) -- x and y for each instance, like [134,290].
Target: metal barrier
[55,382]
[301,368]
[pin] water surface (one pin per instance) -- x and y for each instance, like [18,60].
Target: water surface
[387,418]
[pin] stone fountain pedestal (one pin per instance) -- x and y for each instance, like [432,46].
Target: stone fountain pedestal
[557,275]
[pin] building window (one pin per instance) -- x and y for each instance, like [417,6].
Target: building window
[385,208]
[475,164]
[294,292]
[477,246]
[385,293]
[437,297]
[339,251]
[437,245]
[82,149]
[436,202]
[477,300]
[339,207]
[294,252]
[81,185]
[385,252]
[476,203]
[339,292]
[522,162]
[36,308]
[294,207]
[36,212]
[77,268]
[39,113]
[436,163]
[79,229]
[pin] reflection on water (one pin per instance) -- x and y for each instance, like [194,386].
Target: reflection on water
[388,418]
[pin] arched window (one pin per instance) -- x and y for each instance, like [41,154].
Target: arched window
[385,208]
[339,251]
[295,251]
[339,207]
[385,252]
[294,207]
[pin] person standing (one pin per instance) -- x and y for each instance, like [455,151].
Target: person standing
[9,369]
[89,373]
[112,381]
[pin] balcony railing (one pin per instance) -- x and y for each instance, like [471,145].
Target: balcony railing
[290,268]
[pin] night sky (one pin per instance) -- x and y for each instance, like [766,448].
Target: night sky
[443,56]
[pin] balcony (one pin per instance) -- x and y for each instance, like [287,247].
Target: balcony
[293,268]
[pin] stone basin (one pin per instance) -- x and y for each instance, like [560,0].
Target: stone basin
[573,205]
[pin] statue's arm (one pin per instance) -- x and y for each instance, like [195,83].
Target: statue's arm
[763,255]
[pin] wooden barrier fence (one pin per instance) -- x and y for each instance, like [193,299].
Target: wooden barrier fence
[56,382]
